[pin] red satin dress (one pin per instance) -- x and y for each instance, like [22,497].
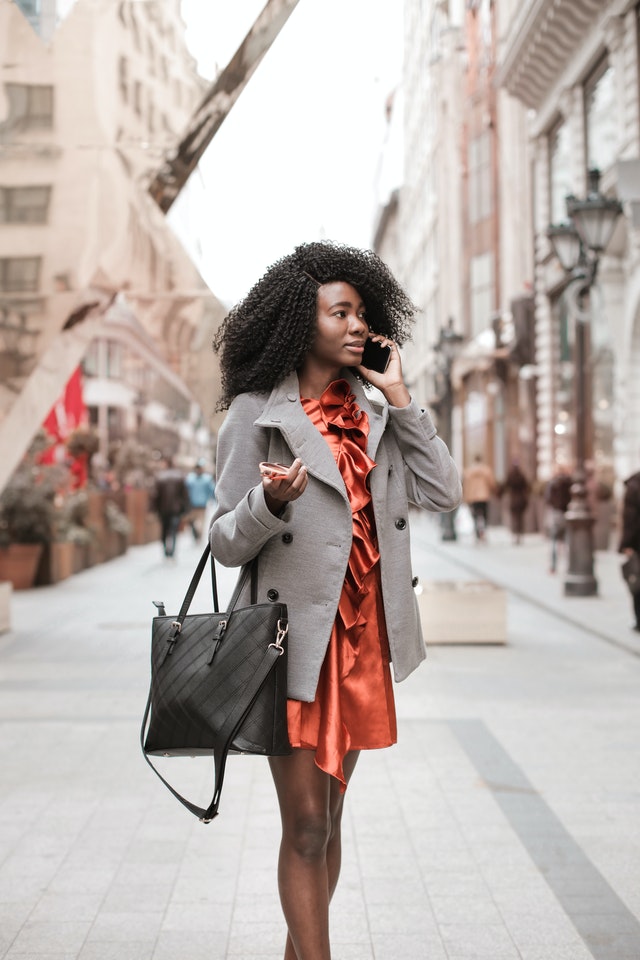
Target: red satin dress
[354,708]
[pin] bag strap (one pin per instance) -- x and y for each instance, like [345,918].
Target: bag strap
[250,568]
[227,733]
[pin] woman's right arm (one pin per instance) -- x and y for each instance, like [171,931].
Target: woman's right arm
[242,522]
[250,509]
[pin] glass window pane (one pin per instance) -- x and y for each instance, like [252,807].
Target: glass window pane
[559,173]
[601,112]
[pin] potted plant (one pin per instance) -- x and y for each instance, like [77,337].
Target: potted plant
[26,523]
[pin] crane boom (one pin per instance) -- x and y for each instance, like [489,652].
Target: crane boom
[220,98]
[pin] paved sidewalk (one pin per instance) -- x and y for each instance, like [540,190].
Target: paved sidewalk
[505,825]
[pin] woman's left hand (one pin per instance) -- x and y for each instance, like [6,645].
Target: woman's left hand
[391,382]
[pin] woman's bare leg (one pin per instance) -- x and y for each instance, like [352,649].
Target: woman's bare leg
[311,808]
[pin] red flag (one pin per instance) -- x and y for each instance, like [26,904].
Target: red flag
[67,414]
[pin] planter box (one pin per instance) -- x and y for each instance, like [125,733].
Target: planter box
[19,564]
[56,563]
[136,509]
[458,611]
[5,606]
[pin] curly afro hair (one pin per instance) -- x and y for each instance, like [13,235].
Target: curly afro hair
[267,335]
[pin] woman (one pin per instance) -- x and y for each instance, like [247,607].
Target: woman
[331,534]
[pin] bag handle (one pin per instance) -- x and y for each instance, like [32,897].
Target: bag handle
[249,568]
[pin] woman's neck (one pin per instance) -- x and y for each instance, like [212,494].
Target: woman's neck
[314,382]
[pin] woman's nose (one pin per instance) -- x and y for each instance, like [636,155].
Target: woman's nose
[358,324]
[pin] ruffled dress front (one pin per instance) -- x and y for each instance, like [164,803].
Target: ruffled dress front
[354,706]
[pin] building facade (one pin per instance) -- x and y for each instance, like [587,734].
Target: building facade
[92,96]
[574,65]
[466,246]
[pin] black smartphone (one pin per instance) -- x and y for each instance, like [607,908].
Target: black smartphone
[375,356]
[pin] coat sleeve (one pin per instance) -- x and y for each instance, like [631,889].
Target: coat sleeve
[242,522]
[432,477]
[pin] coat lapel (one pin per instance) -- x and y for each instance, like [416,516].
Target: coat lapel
[284,412]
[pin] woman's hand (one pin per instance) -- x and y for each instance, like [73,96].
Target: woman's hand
[391,382]
[280,490]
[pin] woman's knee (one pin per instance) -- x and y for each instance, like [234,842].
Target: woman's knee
[309,834]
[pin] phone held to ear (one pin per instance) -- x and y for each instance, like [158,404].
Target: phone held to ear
[375,356]
[273,470]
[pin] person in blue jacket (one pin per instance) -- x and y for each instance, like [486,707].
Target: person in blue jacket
[202,490]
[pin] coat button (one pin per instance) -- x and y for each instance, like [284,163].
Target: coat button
[414,582]
[272,595]
[401,524]
[287,537]
[292,397]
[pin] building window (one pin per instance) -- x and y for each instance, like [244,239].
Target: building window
[480,199]
[30,105]
[113,369]
[91,360]
[559,172]
[123,78]
[137,97]
[601,117]
[19,274]
[482,293]
[24,204]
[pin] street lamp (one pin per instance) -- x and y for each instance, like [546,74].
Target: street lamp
[447,349]
[578,245]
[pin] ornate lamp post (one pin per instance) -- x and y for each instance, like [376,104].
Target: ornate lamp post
[578,245]
[446,349]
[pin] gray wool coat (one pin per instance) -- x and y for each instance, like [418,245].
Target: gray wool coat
[304,552]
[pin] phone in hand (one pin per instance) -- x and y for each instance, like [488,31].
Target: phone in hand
[273,470]
[375,356]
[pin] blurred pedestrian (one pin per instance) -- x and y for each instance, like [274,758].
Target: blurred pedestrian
[201,492]
[517,488]
[478,486]
[170,500]
[329,524]
[557,495]
[630,536]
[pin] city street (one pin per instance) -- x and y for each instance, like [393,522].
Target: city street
[505,825]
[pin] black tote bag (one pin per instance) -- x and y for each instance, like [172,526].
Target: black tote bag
[218,683]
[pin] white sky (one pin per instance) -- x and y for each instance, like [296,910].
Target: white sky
[296,158]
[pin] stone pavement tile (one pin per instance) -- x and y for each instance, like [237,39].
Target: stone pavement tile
[188,945]
[50,937]
[71,879]
[405,946]
[349,917]
[108,950]
[141,897]
[457,909]
[478,941]
[395,916]
[577,951]
[125,927]
[257,940]
[535,932]
[54,906]
[40,956]
[350,950]
[203,916]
